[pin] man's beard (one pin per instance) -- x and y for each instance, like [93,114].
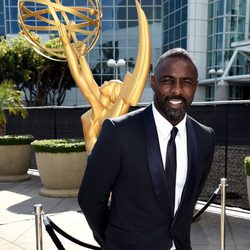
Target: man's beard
[173,115]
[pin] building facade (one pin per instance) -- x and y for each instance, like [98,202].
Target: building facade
[210,30]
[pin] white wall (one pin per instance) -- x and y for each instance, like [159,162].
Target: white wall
[197,33]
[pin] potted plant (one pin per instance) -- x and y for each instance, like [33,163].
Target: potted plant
[61,164]
[247,171]
[11,101]
[15,156]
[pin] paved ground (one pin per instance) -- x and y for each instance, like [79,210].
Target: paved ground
[17,226]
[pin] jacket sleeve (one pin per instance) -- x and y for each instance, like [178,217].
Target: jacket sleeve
[102,169]
[210,150]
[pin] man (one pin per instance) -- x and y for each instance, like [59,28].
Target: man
[152,206]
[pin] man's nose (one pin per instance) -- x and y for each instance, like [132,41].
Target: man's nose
[177,87]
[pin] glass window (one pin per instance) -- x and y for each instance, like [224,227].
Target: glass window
[13,2]
[1,20]
[107,3]
[183,2]
[241,25]
[219,27]
[227,41]
[183,29]
[177,17]
[177,4]
[132,54]
[7,15]
[27,4]
[210,43]
[132,23]
[211,10]
[177,44]
[172,7]
[132,14]
[209,59]
[242,7]
[218,58]
[165,37]
[120,2]
[148,12]
[131,3]
[171,46]
[157,12]
[228,24]
[107,25]
[67,3]
[233,37]
[13,13]
[232,7]
[120,25]
[14,27]
[219,8]
[146,2]
[133,41]
[184,43]
[165,23]
[184,14]
[171,35]
[233,24]
[166,8]
[121,13]
[80,2]
[107,37]
[241,37]
[227,54]
[8,28]
[107,13]
[177,33]
[171,20]
[210,27]
[218,41]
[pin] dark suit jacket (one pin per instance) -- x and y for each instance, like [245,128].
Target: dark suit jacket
[126,161]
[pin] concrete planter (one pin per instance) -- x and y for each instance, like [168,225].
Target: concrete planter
[61,173]
[14,162]
[248,189]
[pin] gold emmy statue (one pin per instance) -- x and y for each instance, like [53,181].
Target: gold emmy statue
[113,98]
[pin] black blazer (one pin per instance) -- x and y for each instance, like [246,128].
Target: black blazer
[126,161]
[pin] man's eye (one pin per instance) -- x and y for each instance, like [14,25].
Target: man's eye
[168,81]
[187,82]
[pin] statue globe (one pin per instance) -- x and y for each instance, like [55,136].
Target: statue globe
[39,17]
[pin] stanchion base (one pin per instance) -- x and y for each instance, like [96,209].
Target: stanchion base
[59,193]
[14,178]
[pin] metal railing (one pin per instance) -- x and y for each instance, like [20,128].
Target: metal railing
[51,226]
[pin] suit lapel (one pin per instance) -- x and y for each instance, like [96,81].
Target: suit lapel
[192,164]
[154,160]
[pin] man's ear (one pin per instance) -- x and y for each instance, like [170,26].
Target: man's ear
[152,81]
[197,83]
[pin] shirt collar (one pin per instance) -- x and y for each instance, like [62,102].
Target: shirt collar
[164,127]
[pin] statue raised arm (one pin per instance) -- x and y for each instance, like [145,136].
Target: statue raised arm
[112,98]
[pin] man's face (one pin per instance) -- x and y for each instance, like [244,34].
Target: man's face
[174,85]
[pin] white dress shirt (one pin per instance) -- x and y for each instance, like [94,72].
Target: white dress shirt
[164,128]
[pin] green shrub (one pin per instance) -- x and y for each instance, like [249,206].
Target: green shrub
[247,165]
[16,139]
[58,145]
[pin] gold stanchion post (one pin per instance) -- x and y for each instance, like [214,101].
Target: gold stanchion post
[38,222]
[223,211]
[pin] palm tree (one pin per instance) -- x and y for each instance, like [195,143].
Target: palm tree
[10,100]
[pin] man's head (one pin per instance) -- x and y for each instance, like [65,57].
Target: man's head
[174,83]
